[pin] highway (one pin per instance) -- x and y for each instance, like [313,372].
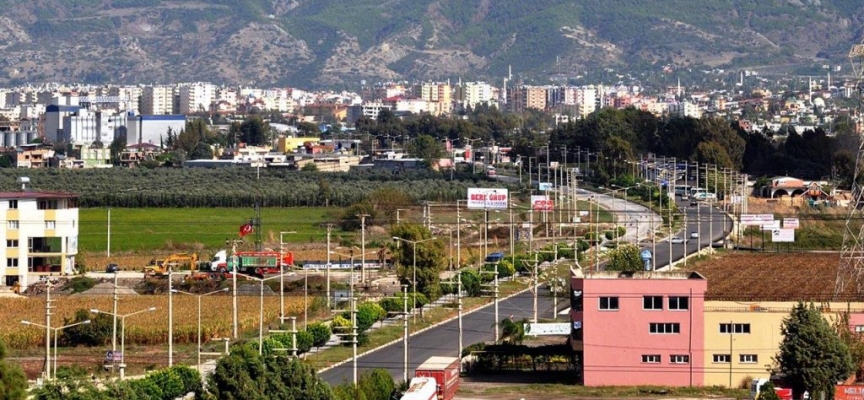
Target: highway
[478,325]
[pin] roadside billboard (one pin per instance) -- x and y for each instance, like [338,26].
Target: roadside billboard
[488,198]
[544,186]
[791,223]
[542,203]
[757,219]
[783,235]
[775,224]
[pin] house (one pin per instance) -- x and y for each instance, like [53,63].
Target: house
[135,153]
[36,155]
[783,186]
[41,235]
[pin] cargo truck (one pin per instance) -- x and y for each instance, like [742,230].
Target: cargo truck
[442,371]
[254,263]
[421,389]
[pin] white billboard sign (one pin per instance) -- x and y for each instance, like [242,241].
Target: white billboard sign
[484,198]
[783,235]
[544,186]
[542,203]
[791,223]
[548,329]
[757,219]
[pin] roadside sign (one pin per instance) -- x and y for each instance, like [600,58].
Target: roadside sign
[115,356]
[783,235]
[544,186]
[757,219]
[775,224]
[542,203]
[791,223]
[487,198]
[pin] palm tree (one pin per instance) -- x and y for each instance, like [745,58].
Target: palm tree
[512,332]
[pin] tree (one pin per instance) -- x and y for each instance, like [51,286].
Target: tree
[767,392]
[625,258]
[386,201]
[202,151]
[254,131]
[512,332]
[812,356]
[292,379]
[430,258]
[117,146]
[376,384]
[427,148]
[320,334]
[13,382]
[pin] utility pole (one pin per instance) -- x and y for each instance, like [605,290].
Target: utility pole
[234,268]
[458,237]
[362,247]
[171,314]
[497,336]
[114,316]
[405,332]
[354,338]
[327,288]
[459,296]
[48,330]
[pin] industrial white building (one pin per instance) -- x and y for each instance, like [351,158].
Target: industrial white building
[153,129]
[41,235]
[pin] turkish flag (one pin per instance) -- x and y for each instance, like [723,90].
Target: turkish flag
[245,229]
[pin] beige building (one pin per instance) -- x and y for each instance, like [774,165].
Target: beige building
[158,100]
[438,97]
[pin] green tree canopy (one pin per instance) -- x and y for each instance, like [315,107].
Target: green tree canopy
[812,356]
[427,148]
[13,383]
[625,258]
[430,258]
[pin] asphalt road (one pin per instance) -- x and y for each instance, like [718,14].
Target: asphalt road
[478,325]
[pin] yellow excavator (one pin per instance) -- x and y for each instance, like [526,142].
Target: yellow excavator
[174,261]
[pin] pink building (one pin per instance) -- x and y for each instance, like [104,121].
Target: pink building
[644,328]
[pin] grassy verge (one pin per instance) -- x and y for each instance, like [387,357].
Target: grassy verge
[611,391]
[386,334]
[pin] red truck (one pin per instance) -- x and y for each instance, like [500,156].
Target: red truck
[443,373]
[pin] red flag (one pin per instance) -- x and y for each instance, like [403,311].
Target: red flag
[245,229]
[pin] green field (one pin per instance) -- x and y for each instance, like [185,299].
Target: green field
[154,228]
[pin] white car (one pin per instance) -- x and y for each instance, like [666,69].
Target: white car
[676,240]
[694,235]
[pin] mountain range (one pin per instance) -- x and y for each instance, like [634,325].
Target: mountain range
[316,43]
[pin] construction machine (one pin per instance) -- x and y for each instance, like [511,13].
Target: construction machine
[160,267]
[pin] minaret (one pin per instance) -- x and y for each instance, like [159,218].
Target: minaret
[810,89]
[679,89]
[509,72]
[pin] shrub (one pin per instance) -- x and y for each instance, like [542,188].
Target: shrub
[320,334]
[81,284]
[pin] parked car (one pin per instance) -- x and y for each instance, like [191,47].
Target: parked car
[677,240]
[111,268]
[694,202]
[694,235]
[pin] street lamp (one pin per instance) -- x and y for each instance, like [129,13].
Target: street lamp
[282,274]
[414,244]
[122,334]
[56,333]
[261,310]
[199,296]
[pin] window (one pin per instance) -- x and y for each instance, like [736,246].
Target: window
[11,262]
[748,358]
[679,303]
[50,224]
[12,243]
[13,204]
[679,359]
[652,302]
[660,327]
[721,358]
[734,328]
[47,205]
[608,303]
[651,358]
[11,224]
[859,328]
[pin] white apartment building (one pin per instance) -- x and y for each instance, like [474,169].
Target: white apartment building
[130,94]
[41,235]
[684,109]
[78,125]
[196,97]
[157,100]
[476,93]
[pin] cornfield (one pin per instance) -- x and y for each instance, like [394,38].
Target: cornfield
[149,328]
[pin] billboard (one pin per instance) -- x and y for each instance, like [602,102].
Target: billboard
[547,329]
[791,223]
[486,198]
[783,235]
[542,203]
[775,224]
[757,219]
[544,186]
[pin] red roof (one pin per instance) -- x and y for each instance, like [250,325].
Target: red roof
[37,195]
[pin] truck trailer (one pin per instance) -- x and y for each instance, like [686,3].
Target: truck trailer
[445,372]
[421,389]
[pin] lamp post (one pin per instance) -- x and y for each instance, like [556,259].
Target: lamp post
[123,334]
[414,244]
[199,296]
[282,274]
[234,264]
[56,333]
[261,310]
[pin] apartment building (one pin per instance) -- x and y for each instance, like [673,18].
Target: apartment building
[41,235]
[644,328]
[158,100]
[196,97]
[438,97]
[476,93]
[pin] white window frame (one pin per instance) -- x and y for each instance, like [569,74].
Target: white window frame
[679,359]
[651,359]
[676,305]
[722,359]
[655,304]
[608,303]
[12,225]
[664,328]
[859,328]
[50,224]
[748,358]
[13,204]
